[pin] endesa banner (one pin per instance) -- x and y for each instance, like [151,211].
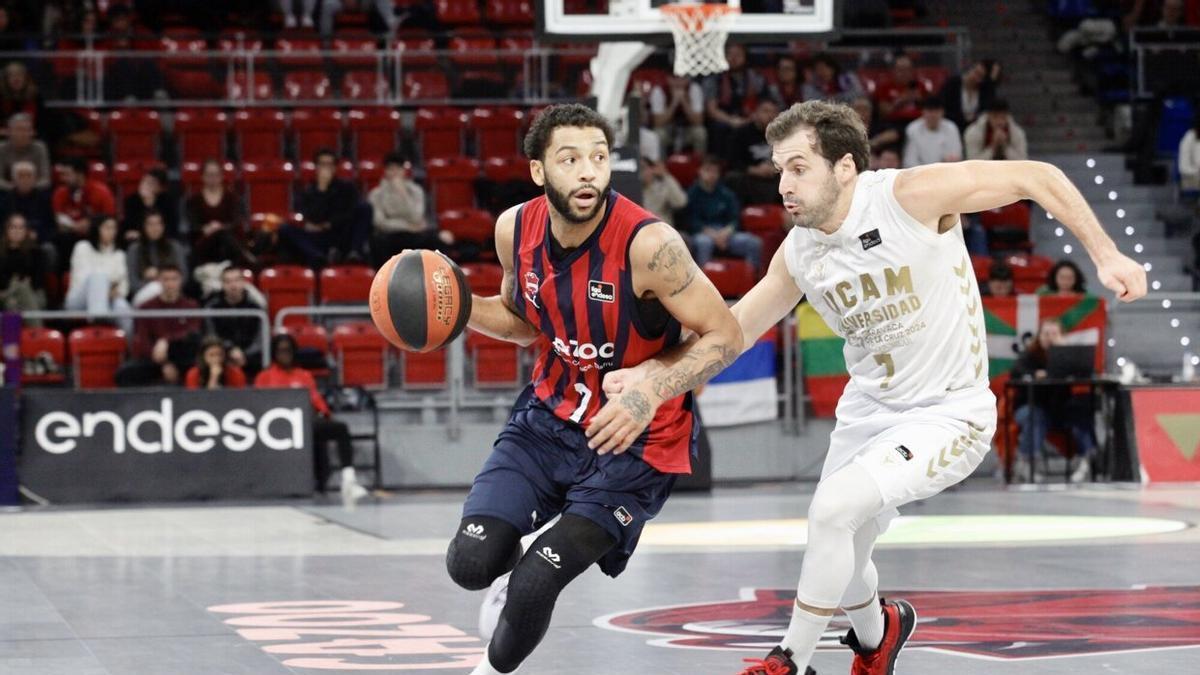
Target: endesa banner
[1166,423]
[140,445]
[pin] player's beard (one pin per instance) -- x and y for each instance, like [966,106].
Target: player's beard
[822,208]
[561,201]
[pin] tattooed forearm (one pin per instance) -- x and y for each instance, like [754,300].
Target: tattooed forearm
[693,370]
[677,268]
[637,404]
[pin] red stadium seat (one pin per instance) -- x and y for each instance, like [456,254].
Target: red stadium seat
[472,47]
[452,182]
[474,225]
[287,286]
[426,85]
[684,168]
[187,83]
[42,345]
[317,129]
[1015,215]
[504,169]
[355,52]
[497,363]
[185,50]
[440,132]
[361,355]
[242,87]
[416,51]
[127,175]
[458,12]
[310,337]
[96,353]
[299,52]
[259,134]
[373,131]
[1029,271]
[269,186]
[933,77]
[982,266]
[731,277]
[423,371]
[307,85]
[201,134]
[365,86]
[235,40]
[510,12]
[370,173]
[498,131]
[874,79]
[764,219]
[346,284]
[518,45]
[483,278]
[134,135]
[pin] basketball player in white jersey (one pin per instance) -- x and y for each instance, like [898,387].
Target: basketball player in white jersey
[880,255]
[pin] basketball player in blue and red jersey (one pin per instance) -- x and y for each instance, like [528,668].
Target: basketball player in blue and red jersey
[599,284]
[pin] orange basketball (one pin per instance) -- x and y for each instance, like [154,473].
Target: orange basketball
[420,300]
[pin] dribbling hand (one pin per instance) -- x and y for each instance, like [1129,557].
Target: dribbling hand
[1124,276]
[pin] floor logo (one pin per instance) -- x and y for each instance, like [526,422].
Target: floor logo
[999,625]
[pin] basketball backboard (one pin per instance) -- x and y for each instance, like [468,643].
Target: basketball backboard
[601,20]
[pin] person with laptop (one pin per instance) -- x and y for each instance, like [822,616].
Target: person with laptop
[1040,409]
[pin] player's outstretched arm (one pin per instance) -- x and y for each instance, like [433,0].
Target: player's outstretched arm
[929,192]
[661,265]
[495,316]
[763,306]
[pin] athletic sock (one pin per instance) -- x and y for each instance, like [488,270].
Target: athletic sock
[803,634]
[868,624]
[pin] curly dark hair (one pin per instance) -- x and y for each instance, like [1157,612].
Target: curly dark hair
[1080,282]
[566,115]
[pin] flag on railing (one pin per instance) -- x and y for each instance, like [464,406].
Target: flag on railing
[745,391]
[821,359]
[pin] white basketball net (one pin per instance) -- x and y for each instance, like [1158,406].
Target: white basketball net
[700,30]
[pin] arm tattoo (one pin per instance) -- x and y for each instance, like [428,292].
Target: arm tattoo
[638,406]
[693,370]
[676,267]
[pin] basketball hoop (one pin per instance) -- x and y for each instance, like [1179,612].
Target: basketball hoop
[700,30]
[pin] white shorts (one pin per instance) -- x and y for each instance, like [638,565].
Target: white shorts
[912,453]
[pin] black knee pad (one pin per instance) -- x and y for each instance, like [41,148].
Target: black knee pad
[483,549]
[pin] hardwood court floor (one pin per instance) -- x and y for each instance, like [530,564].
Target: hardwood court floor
[1096,580]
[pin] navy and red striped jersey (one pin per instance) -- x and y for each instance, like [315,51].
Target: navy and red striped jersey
[591,321]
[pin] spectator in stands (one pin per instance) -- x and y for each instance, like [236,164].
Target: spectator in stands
[1065,278]
[213,369]
[242,334]
[128,77]
[1189,157]
[899,98]
[398,211]
[336,223]
[970,93]
[19,94]
[999,281]
[99,275]
[888,158]
[881,135]
[22,268]
[22,146]
[218,229]
[996,135]
[163,348]
[730,96]
[10,40]
[153,251]
[661,193]
[827,80]
[714,219]
[932,138]
[752,175]
[76,202]
[31,201]
[1052,407]
[788,88]
[151,195]
[283,373]
[677,115]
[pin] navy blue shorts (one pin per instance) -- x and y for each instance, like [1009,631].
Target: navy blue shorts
[541,466]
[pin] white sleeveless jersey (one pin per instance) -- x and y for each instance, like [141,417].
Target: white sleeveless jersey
[904,298]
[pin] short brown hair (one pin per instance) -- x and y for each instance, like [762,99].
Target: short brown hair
[840,131]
